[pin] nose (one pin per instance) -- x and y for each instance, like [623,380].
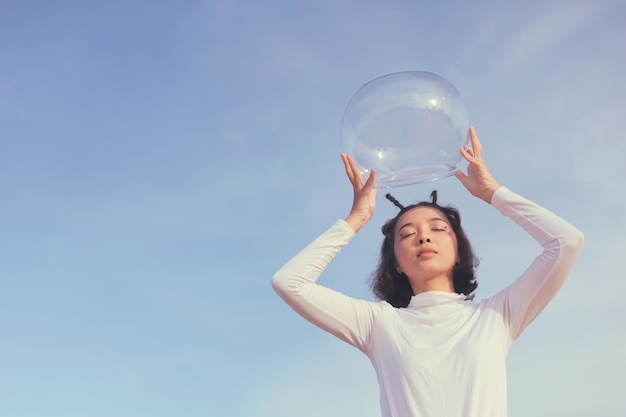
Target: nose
[422,241]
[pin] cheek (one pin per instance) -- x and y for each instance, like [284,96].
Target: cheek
[400,252]
[455,245]
[451,245]
[397,252]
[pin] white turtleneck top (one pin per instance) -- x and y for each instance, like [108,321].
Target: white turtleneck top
[442,355]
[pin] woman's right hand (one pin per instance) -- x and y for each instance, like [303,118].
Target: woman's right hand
[364,195]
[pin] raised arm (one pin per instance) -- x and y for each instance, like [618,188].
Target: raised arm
[523,300]
[561,242]
[348,318]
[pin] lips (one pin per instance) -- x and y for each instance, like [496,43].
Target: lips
[426,251]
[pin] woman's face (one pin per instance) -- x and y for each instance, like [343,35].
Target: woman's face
[425,247]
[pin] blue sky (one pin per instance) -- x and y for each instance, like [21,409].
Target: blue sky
[160,160]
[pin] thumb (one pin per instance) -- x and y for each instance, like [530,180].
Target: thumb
[461,176]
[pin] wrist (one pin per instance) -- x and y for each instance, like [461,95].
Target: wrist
[491,192]
[356,222]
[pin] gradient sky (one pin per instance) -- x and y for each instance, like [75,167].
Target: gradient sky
[160,160]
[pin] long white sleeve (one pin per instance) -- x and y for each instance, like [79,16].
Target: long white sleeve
[525,298]
[348,318]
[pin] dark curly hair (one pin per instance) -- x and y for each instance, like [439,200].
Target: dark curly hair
[392,286]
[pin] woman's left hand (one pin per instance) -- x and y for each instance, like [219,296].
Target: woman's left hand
[478,180]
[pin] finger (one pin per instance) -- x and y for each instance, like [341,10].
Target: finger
[476,146]
[460,175]
[467,153]
[346,163]
[370,180]
[358,180]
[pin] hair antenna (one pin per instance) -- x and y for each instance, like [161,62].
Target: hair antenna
[394,201]
[433,197]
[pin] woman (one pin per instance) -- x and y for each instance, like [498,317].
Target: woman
[436,352]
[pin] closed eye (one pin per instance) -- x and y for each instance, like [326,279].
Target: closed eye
[407,235]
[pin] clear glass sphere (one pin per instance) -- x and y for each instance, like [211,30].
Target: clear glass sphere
[408,126]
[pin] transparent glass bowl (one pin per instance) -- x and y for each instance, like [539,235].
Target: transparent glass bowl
[408,126]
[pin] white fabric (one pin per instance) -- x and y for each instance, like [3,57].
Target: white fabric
[442,356]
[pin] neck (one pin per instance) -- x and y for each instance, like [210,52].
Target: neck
[441,283]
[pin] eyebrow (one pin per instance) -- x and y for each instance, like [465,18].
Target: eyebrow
[428,220]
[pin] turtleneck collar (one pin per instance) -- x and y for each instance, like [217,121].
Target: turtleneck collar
[432,298]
